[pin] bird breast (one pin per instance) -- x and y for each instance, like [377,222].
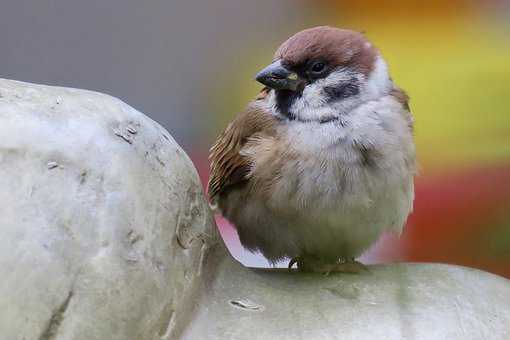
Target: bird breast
[348,163]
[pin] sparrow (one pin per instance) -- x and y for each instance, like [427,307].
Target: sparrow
[322,161]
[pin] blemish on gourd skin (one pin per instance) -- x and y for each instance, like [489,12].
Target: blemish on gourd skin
[246,304]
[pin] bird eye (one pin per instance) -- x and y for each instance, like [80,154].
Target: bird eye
[318,67]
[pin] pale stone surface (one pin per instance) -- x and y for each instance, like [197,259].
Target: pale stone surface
[400,301]
[97,203]
[105,234]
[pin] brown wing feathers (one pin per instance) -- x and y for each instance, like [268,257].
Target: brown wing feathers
[228,166]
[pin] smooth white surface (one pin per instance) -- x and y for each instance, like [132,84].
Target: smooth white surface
[391,302]
[94,200]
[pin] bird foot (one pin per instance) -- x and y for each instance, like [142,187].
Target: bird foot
[295,261]
[350,266]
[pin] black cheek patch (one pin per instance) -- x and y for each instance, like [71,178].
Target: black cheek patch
[341,91]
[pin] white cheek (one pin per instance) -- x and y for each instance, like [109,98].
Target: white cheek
[379,83]
[313,103]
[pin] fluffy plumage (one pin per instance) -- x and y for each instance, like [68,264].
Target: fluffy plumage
[320,171]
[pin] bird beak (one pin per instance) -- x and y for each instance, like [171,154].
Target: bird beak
[277,77]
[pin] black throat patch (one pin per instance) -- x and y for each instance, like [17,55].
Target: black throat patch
[284,101]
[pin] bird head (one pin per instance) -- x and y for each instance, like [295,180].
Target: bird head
[323,72]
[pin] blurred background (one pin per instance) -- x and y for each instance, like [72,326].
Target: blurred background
[190,65]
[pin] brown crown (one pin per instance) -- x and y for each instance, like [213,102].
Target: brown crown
[339,47]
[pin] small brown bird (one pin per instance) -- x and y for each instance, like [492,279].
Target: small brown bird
[322,162]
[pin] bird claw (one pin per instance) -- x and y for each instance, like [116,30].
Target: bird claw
[350,266]
[293,261]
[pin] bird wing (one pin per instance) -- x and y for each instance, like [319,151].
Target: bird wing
[229,167]
[402,97]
